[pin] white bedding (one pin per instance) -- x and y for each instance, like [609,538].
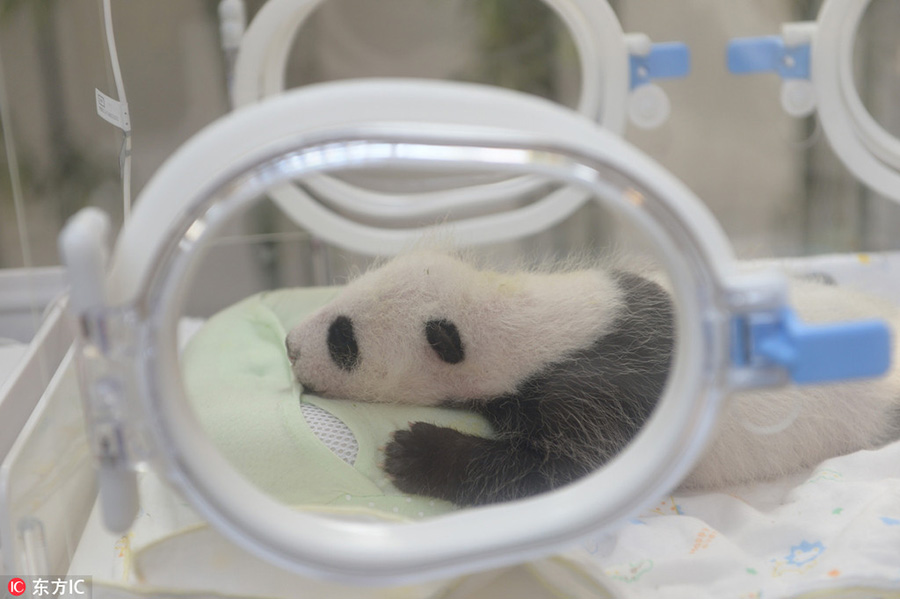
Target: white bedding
[829,532]
[833,528]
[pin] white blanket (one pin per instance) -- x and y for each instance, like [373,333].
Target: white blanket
[830,532]
[835,528]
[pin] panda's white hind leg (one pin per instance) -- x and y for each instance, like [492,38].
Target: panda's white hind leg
[819,421]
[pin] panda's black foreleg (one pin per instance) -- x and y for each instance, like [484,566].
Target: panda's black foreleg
[467,470]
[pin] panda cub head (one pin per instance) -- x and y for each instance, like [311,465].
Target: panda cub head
[428,327]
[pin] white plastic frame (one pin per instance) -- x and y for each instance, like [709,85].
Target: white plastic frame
[870,152]
[260,68]
[233,162]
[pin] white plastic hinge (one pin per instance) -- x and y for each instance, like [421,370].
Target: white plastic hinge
[107,366]
[232,23]
[798,34]
[638,44]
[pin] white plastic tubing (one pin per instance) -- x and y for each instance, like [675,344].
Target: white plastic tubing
[120,92]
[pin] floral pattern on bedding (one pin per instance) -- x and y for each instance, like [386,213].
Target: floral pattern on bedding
[833,531]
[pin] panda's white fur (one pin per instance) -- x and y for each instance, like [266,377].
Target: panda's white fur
[831,419]
[514,323]
[519,330]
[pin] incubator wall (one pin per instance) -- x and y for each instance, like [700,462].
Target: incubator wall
[772,180]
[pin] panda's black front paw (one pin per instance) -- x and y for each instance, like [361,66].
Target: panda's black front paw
[425,460]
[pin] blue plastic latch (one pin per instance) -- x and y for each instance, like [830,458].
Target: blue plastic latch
[768,54]
[812,353]
[666,60]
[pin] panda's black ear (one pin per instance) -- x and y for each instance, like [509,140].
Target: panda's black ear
[443,337]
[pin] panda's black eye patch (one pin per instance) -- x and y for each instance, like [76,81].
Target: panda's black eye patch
[443,337]
[342,343]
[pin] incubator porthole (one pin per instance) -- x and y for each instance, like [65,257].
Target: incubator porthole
[603,72]
[271,380]
[210,182]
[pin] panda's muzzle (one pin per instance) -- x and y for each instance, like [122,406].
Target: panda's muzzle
[342,345]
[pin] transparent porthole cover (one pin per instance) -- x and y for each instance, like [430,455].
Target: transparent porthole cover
[616,72]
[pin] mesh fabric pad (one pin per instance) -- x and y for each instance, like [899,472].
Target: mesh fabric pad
[336,435]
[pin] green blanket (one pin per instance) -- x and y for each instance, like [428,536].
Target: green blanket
[239,381]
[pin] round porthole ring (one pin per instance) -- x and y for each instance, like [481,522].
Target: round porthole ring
[870,152]
[694,249]
[259,72]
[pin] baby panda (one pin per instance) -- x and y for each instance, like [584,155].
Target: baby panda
[566,367]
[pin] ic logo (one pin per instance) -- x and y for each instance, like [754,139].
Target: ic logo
[16,587]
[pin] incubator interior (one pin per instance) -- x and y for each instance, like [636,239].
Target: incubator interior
[312,220]
[282,407]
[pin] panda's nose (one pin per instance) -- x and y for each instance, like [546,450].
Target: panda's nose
[293,351]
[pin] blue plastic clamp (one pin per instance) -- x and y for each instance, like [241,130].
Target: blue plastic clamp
[768,54]
[811,353]
[666,60]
